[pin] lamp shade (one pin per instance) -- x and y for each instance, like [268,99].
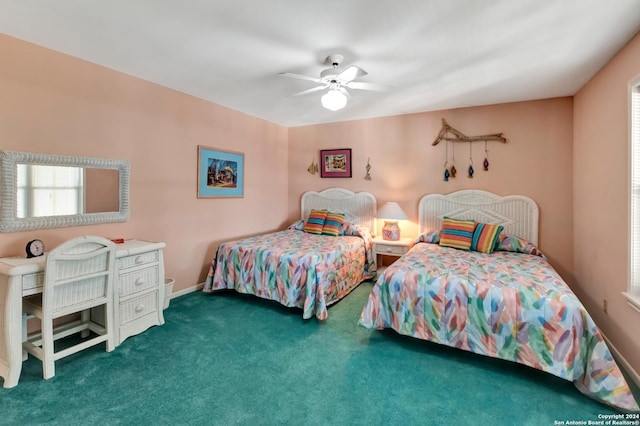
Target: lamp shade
[333,100]
[391,211]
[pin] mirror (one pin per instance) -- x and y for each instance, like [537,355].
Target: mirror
[47,191]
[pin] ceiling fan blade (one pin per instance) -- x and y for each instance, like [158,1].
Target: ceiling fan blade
[301,77]
[352,73]
[306,92]
[344,92]
[366,86]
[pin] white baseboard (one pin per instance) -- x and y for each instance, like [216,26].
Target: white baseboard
[187,290]
[631,373]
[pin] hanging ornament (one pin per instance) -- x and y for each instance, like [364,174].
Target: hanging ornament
[446,162]
[470,170]
[313,167]
[486,157]
[453,161]
[368,169]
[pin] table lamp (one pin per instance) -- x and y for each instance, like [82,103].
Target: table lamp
[391,213]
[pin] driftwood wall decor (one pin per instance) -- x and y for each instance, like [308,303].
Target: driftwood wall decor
[449,134]
[458,136]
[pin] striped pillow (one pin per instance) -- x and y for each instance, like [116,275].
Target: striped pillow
[315,222]
[457,233]
[485,237]
[332,224]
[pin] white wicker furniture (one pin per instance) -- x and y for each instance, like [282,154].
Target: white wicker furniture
[79,276]
[390,248]
[359,208]
[139,262]
[9,222]
[517,213]
[139,295]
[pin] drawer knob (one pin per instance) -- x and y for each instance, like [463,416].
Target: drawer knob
[139,281]
[139,260]
[139,307]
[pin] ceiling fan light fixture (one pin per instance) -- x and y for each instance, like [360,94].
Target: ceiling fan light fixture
[333,100]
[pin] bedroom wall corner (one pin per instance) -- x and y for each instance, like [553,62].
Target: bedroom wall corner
[601,204]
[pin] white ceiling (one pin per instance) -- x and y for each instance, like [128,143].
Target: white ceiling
[435,54]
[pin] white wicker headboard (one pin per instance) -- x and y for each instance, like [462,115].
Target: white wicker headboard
[358,207]
[517,213]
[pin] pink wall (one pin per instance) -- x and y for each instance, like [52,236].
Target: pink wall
[53,103]
[601,175]
[536,161]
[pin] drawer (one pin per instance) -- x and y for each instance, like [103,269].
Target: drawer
[138,307]
[384,249]
[31,281]
[137,259]
[139,280]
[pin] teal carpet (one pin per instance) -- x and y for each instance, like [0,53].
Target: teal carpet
[226,359]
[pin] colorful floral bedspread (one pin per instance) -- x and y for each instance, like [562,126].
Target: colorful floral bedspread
[295,268]
[505,305]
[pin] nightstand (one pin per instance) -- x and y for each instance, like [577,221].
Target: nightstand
[390,248]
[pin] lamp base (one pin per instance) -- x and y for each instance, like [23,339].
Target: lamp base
[390,231]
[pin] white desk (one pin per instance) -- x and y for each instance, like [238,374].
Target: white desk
[138,293]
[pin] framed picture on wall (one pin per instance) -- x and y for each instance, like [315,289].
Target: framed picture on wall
[335,163]
[220,173]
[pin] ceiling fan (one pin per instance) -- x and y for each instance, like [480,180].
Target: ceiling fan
[337,81]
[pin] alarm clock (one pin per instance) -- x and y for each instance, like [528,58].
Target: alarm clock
[35,248]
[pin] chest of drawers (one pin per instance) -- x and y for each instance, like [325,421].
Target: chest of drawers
[139,288]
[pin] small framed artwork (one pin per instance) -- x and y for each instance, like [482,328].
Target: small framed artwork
[335,163]
[220,173]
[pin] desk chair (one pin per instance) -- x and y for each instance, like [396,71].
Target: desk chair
[79,276]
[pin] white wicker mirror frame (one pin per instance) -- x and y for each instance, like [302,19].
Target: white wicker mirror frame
[10,222]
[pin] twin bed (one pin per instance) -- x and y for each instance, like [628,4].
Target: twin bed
[509,303]
[302,269]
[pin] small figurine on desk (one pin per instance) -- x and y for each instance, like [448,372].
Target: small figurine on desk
[35,248]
